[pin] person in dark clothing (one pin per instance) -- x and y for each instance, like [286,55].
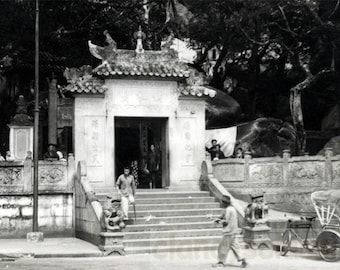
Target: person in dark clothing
[218,153]
[212,149]
[152,165]
[51,152]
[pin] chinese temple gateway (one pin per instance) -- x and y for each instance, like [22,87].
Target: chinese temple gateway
[133,99]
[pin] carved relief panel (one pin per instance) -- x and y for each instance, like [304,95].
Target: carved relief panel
[307,174]
[142,97]
[51,175]
[336,174]
[229,173]
[10,179]
[268,175]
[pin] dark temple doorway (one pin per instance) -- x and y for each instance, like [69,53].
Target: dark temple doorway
[133,139]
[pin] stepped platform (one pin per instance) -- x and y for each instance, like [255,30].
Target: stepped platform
[168,220]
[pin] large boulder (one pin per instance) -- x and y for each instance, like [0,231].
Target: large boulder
[222,110]
[332,119]
[333,143]
[266,137]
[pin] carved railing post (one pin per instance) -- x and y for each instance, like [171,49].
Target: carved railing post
[247,158]
[70,170]
[329,166]
[285,168]
[27,173]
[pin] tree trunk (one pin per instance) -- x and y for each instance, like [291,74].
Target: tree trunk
[297,115]
[296,105]
[252,81]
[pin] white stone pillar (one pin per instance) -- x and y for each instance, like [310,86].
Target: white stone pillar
[21,132]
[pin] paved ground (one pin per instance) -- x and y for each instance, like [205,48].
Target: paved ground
[50,247]
[78,254]
[258,259]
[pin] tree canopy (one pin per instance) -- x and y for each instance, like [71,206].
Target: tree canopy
[277,58]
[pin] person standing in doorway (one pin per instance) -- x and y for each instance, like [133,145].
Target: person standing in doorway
[152,165]
[229,221]
[134,171]
[126,188]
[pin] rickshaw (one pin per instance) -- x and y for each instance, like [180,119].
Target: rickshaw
[327,242]
[326,204]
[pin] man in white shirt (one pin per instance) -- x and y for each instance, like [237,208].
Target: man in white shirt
[229,221]
[126,188]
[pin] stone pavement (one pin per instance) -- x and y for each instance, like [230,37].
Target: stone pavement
[47,255]
[196,260]
[50,247]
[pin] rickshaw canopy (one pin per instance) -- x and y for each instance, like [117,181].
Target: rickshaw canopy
[326,197]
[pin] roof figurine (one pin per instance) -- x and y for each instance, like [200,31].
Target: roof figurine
[164,63]
[106,53]
[81,80]
[138,62]
[139,36]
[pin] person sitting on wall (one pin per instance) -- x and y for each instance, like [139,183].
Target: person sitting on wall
[218,153]
[239,153]
[9,156]
[113,214]
[60,155]
[212,149]
[51,153]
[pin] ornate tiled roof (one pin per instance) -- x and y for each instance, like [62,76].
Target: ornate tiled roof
[118,62]
[91,86]
[142,69]
[197,90]
[164,63]
[80,80]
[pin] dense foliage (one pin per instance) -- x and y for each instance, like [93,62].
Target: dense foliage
[277,58]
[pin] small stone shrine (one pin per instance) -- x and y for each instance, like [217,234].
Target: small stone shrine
[21,132]
[135,99]
[256,233]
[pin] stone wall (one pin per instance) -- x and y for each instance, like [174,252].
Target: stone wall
[55,201]
[54,215]
[94,128]
[287,181]
[88,210]
[16,177]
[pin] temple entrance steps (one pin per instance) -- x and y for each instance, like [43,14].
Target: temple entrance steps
[172,221]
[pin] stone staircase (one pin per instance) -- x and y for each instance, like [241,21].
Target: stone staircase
[171,221]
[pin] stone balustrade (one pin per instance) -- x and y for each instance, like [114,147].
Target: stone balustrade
[88,210]
[55,204]
[278,172]
[287,181]
[16,177]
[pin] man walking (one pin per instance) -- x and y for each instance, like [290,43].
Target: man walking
[126,188]
[229,222]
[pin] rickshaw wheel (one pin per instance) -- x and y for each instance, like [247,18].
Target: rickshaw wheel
[328,244]
[286,241]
